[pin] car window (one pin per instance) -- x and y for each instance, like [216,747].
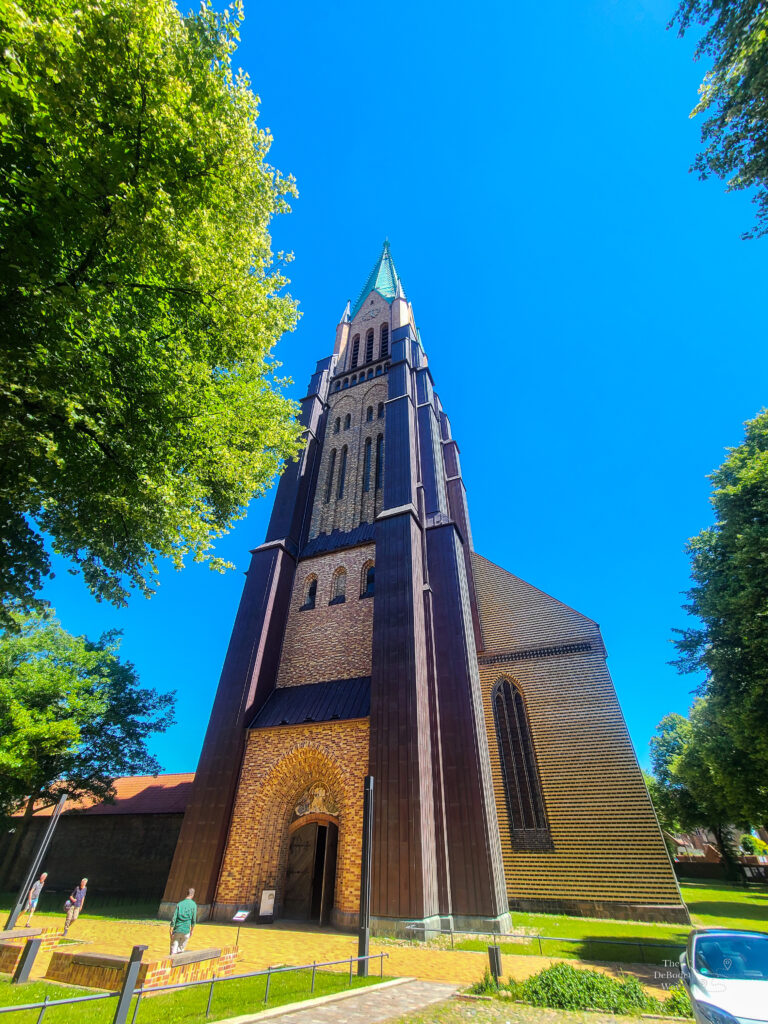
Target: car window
[741,957]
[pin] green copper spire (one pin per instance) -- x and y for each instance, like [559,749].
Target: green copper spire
[382,279]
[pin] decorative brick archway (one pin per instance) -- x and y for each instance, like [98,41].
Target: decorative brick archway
[280,767]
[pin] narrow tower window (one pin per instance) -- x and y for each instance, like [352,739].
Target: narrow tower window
[329,484]
[355,351]
[310,593]
[347,421]
[367,465]
[369,346]
[339,586]
[525,804]
[380,411]
[384,341]
[368,580]
[369,414]
[379,461]
[337,425]
[342,472]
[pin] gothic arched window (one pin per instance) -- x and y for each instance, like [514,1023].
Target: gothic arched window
[367,465]
[354,380]
[369,414]
[347,421]
[329,484]
[339,586]
[342,472]
[367,580]
[384,341]
[346,382]
[369,346]
[370,374]
[525,804]
[379,461]
[355,351]
[380,411]
[337,425]
[310,593]
[378,371]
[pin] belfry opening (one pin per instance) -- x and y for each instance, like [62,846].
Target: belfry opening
[372,639]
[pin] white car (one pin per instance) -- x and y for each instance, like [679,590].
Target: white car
[725,973]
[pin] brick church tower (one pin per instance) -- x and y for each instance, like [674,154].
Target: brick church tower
[370,638]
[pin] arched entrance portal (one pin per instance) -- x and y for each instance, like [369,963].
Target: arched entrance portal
[310,873]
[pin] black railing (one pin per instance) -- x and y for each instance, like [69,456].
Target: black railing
[269,973]
[537,940]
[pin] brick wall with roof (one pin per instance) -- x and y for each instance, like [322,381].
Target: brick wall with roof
[607,853]
[329,641]
[280,764]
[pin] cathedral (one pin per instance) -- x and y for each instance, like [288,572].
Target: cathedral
[372,639]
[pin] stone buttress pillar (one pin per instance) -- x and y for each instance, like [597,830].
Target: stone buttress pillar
[404,878]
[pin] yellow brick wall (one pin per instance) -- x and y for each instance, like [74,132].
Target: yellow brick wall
[356,506]
[328,641]
[607,845]
[279,766]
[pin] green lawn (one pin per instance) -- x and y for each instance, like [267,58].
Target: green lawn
[709,904]
[124,908]
[187,1006]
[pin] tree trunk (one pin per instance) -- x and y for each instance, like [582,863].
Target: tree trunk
[732,867]
[16,840]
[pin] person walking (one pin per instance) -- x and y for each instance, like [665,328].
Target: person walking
[183,923]
[34,895]
[74,904]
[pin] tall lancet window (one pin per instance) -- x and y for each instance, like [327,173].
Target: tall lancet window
[339,586]
[355,351]
[367,465]
[342,472]
[369,346]
[384,341]
[525,804]
[379,461]
[329,484]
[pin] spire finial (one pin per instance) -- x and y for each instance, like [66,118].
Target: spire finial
[383,279]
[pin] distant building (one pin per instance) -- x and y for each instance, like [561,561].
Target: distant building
[371,638]
[123,848]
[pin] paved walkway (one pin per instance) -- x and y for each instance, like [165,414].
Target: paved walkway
[372,1007]
[263,946]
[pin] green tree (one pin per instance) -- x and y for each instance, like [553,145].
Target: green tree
[729,569]
[733,94]
[666,811]
[686,764]
[72,717]
[139,408]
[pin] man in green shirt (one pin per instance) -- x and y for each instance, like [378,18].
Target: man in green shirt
[183,923]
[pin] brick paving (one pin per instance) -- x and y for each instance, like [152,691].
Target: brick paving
[372,1007]
[293,943]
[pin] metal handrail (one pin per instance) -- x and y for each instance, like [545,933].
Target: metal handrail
[139,992]
[638,943]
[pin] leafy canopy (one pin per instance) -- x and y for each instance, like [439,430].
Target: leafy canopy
[72,714]
[729,596]
[734,94]
[139,411]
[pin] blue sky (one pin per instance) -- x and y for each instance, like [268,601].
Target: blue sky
[590,313]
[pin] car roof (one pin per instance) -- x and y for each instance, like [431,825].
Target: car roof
[727,931]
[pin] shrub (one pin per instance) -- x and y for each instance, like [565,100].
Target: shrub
[485,987]
[677,1003]
[563,987]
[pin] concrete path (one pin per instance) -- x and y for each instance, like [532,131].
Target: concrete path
[372,1007]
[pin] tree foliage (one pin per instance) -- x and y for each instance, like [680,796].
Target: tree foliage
[729,568]
[691,788]
[733,94]
[139,410]
[73,716]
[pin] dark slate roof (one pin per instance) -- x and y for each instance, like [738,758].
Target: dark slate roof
[316,702]
[338,539]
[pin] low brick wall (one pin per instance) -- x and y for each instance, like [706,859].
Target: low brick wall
[94,970]
[12,946]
